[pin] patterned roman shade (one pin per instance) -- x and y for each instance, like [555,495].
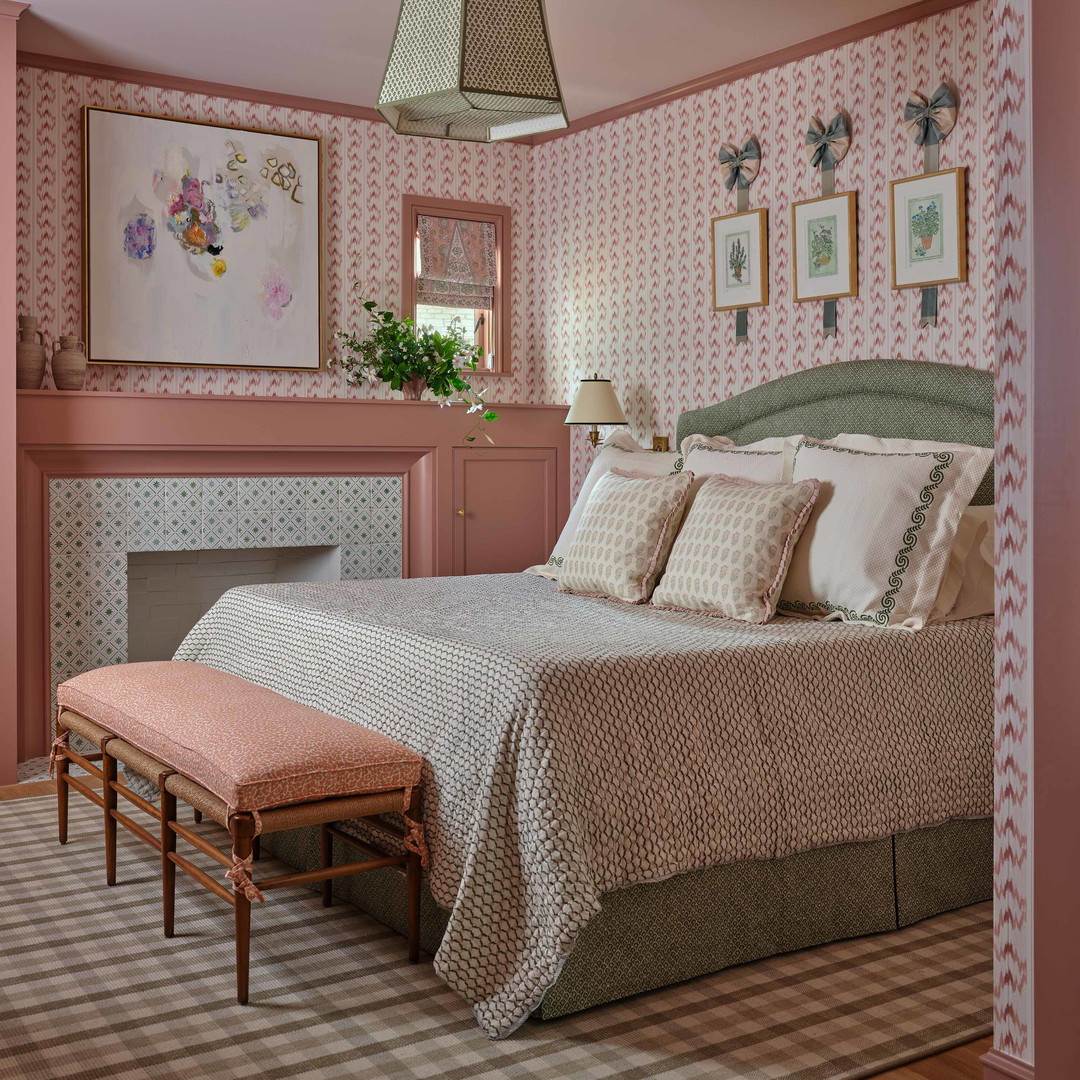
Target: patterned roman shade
[459,266]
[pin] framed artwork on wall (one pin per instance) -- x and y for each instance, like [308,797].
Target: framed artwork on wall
[202,244]
[825,250]
[929,229]
[740,260]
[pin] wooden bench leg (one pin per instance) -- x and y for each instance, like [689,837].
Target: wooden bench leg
[108,792]
[62,793]
[326,859]
[242,828]
[168,867]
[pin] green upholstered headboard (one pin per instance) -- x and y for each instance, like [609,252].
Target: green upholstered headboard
[899,399]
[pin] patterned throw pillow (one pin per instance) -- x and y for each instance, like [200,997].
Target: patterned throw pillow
[625,535]
[619,450]
[876,547]
[732,553]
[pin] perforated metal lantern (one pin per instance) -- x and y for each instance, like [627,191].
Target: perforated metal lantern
[478,70]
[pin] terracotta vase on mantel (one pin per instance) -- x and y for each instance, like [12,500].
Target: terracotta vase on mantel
[29,354]
[413,390]
[69,364]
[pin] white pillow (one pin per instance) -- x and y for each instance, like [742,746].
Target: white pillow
[965,560]
[625,535]
[877,545]
[703,440]
[976,594]
[619,450]
[762,461]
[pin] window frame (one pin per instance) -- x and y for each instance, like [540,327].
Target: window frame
[500,216]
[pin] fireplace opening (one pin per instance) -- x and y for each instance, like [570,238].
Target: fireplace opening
[169,591]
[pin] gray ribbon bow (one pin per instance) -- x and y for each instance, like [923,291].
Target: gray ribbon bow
[928,122]
[827,146]
[741,165]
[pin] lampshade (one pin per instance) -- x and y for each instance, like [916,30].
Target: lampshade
[595,403]
[478,70]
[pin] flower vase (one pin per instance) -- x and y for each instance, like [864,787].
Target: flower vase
[413,390]
[69,364]
[29,354]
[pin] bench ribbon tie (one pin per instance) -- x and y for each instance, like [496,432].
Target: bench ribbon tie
[414,833]
[240,876]
[59,746]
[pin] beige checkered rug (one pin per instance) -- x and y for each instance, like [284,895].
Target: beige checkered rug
[90,989]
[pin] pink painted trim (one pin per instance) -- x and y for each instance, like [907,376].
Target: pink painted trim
[196,86]
[12,9]
[662,538]
[499,216]
[1000,1066]
[811,47]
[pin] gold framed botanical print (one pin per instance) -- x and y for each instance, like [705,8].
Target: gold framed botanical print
[740,260]
[824,246]
[928,226]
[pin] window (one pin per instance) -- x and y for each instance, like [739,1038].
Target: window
[455,263]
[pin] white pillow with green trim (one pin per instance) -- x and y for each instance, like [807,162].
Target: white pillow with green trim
[620,450]
[876,547]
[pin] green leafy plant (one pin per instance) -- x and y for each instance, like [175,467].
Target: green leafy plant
[927,222]
[410,358]
[821,245]
[737,259]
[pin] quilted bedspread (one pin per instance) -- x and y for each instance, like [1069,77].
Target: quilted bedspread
[574,745]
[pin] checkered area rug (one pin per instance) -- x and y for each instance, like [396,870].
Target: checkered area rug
[91,989]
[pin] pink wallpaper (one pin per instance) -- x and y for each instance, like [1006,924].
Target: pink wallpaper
[621,278]
[367,168]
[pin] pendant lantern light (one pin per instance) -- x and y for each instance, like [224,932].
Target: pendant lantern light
[476,70]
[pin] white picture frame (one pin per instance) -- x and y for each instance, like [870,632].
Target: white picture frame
[740,260]
[202,244]
[825,248]
[928,229]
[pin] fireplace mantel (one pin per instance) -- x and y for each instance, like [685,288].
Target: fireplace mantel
[85,434]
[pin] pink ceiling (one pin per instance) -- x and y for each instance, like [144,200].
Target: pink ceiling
[608,51]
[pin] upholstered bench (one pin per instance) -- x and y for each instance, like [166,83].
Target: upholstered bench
[248,758]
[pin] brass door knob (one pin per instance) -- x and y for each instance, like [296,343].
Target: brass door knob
[461,513]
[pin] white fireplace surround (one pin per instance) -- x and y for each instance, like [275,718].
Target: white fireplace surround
[95,522]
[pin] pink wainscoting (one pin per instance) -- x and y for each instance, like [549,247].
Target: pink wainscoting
[106,434]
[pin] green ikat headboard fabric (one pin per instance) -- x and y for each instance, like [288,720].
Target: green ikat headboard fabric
[893,399]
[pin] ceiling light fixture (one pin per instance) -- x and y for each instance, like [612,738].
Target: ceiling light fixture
[476,70]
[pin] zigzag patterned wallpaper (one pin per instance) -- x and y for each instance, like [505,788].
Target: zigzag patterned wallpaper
[611,272]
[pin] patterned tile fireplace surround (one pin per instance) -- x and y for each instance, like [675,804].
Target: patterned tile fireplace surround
[94,522]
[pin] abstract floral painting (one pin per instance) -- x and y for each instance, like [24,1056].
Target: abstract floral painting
[203,244]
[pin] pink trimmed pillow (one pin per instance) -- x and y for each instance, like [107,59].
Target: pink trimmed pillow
[733,551]
[625,535]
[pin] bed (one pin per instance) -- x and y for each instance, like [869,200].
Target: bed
[620,798]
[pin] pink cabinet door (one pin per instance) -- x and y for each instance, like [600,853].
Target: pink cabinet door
[505,508]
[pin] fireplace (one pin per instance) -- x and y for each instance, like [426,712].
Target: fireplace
[115,541]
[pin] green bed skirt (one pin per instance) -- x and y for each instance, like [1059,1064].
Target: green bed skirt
[649,936]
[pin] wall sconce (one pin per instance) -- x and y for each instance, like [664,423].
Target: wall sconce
[595,403]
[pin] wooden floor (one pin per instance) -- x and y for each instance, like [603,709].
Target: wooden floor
[960,1063]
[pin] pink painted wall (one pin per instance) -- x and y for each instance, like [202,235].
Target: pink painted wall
[9,14]
[367,170]
[621,276]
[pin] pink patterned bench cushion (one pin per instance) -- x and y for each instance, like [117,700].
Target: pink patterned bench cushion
[251,747]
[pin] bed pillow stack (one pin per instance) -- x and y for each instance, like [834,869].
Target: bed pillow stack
[877,546]
[626,531]
[619,451]
[763,461]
